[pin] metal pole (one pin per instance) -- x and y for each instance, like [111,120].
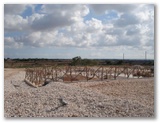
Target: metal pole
[145,55]
[123,56]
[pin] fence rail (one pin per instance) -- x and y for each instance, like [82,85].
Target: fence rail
[40,76]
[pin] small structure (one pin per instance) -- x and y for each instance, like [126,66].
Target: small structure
[40,76]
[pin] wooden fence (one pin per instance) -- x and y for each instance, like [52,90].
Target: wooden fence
[40,76]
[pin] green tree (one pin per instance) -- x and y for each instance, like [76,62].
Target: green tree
[76,60]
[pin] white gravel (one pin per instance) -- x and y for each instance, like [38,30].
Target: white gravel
[58,99]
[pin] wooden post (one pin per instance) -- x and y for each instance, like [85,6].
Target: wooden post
[102,74]
[115,72]
[128,72]
[87,73]
[56,74]
[106,74]
[71,74]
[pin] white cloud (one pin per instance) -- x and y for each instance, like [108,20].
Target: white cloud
[15,23]
[65,9]
[132,31]
[65,26]
[145,12]
[102,8]
[48,22]
[10,42]
[14,8]
[126,19]
[93,25]
[38,39]
[59,16]
[51,16]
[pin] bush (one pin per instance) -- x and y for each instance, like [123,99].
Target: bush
[85,62]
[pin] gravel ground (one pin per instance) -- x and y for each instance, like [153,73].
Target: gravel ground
[111,98]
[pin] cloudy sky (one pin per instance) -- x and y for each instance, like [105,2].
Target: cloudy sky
[86,30]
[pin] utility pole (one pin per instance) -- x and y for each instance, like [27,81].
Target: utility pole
[123,56]
[145,55]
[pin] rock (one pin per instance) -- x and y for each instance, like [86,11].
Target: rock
[63,102]
[58,99]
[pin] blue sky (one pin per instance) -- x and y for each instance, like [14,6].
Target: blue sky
[89,31]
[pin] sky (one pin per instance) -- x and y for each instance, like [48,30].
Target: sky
[102,31]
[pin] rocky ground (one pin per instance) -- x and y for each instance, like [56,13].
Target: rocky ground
[110,98]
